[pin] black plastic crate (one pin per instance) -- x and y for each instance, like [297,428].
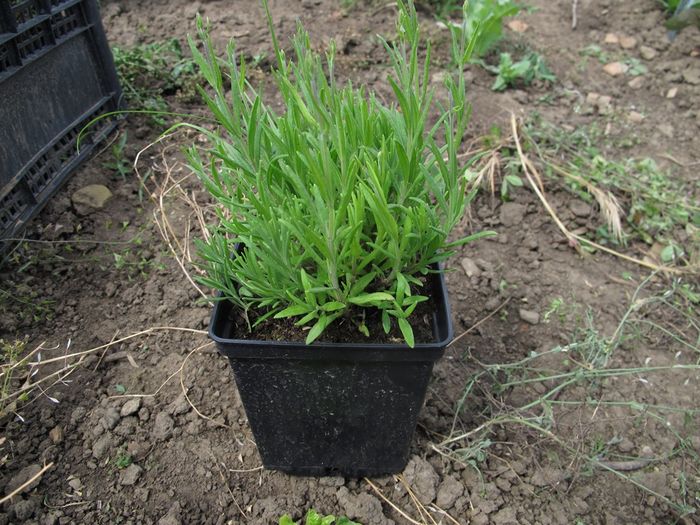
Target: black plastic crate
[56,76]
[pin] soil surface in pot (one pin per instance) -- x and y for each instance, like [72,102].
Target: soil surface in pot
[345,329]
[149,427]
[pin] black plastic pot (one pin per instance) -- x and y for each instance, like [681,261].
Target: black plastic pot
[333,409]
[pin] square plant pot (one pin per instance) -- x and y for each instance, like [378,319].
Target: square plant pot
[333,409]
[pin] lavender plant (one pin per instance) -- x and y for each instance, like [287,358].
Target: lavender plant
[340,201]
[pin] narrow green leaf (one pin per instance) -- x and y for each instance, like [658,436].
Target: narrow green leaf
[333,306]
[369,298]
[297,309]
[406,331]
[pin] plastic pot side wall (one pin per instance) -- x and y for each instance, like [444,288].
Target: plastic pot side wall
[333,409]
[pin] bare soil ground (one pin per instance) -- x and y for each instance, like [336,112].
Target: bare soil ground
[150,428]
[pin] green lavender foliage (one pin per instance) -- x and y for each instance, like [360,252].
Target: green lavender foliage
[340,201]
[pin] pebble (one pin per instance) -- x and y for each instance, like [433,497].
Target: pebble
[580,208]
[89,198]
[470,268]
[130,475]
[648,53]
[628,42]
[131,407]
[625,446]
[611,38]
[636,83]
[529,316]
[144,414]
[56,435]
[76,484]
[672,92]
[635,117]
[615,69]
[517,26]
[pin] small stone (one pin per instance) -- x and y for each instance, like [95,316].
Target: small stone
[56,435]
[470,268]
[144,414]
[635,117]
[131,407]
[636,82]
[625,446]
[76,484]
[130,475]
[512,214]
[628,42]
[604,104]
[592,98]
[164,426]
[615,69]
[692,76]
[172,517]
[672,92]
[529,316]
[110,418]
[611,38]
[648,53]
[94,196]
[517,26]
[580,208]
[22,477]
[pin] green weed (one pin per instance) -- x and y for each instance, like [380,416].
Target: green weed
[119,164]
[149,72]
[525,71]
[485,19]
[659,206]
[123,460]
[314,518]
[12,367]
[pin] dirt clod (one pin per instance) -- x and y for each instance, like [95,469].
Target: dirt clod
[22,477]
[173,516]
[164,426]
[512,213]
[421,476]
[363,507]
[131,407]
[448,492]
[130,475]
